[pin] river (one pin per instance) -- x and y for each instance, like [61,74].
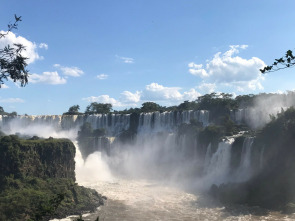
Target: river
[132,200]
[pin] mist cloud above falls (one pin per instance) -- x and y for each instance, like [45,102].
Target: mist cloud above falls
[264,105]
[92,170]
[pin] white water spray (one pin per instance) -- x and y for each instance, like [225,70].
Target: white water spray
[93,169]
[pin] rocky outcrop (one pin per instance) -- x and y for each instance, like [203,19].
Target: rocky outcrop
[272,185]
[42,158]
[37,180]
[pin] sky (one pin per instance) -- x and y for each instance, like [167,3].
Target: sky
[127,52]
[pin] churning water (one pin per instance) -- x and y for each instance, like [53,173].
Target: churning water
[133,199]
[155,168]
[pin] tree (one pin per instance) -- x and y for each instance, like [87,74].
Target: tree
[13,114]
[150,107]
[186,105]
[281,63]
[214,100]
[98,108]
[12,63]
[73,110]
[86,130]
[2,112]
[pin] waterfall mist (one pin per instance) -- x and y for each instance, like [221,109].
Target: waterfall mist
[93,169]
[264,105]
[32,126]
[158,151]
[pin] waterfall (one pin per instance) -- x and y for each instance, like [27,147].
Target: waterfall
[168,121]
[217,171]
[157,150]
[207,158]
[244,171]
[93,169]
[114,124]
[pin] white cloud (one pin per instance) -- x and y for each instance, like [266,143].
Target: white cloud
[199,72]
[190,95]
[126,59]
[153,92]
[4,86]
[197,69]
[70,71]
[103,99]
[11,100]
[47,78]
[126,99]
[172,95]
[193,65]
[102,76]
[207,87]
[43,45]
[31,47]
[129,97]
[229,70]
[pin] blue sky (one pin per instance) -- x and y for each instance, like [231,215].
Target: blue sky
[127,52]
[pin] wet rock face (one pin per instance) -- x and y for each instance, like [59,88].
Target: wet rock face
[272,184]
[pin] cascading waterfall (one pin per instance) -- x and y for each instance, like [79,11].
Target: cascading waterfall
[157,150]
[112,123]
[168,121]
[91,170]
[244,171]
[218,168]
[207,158]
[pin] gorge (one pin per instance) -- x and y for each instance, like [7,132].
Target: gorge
[139,160]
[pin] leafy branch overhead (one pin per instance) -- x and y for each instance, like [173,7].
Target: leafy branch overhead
[281,63]
[12,63]
[11,26]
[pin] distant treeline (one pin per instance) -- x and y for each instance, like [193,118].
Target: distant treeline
[2,112]
[214,102]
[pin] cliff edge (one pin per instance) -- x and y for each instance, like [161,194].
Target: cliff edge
[37,180]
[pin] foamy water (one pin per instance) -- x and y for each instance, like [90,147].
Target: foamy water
[136,200]
[132,200]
